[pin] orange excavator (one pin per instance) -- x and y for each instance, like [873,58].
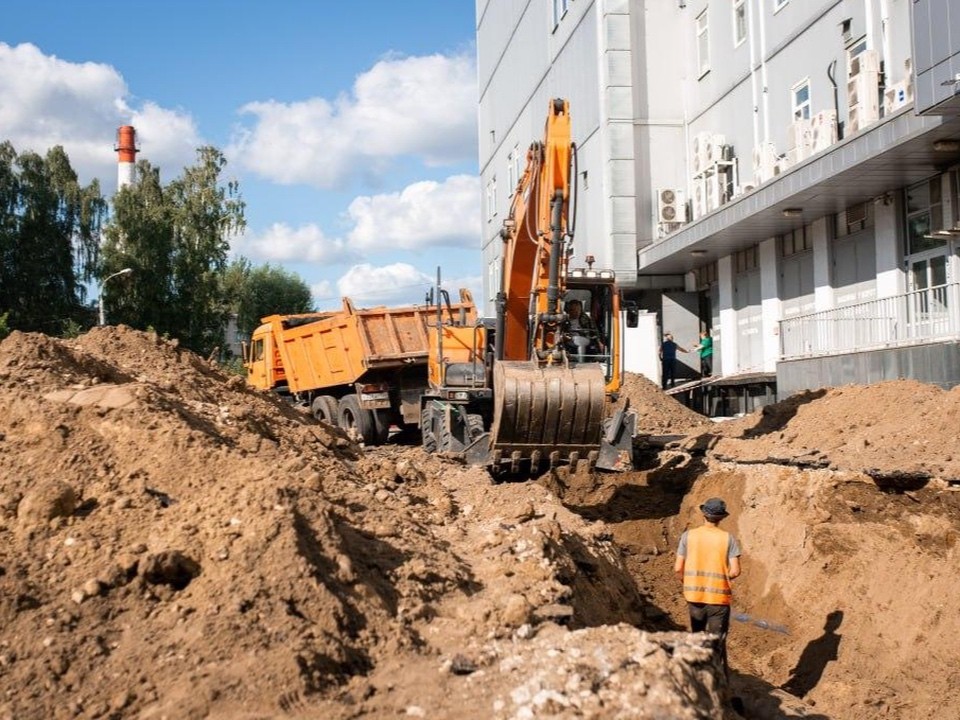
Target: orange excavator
[533,386]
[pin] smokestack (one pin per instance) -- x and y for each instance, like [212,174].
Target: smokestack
[127,149]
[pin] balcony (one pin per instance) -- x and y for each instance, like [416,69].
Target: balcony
[917,317]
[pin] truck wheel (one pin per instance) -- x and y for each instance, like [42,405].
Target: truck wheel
[381,425]
[427,431]
[324,408]
[353,417]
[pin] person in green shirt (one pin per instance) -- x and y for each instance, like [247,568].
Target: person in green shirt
[705,348]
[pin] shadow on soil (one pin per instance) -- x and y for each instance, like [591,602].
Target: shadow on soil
[759,700]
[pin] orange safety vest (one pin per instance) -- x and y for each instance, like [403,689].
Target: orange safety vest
[706,568]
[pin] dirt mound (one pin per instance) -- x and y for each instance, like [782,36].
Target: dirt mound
[657,412]
[173,544]
[901,432]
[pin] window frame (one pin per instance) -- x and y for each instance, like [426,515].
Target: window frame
[702,28]
[798,109]
[739,5]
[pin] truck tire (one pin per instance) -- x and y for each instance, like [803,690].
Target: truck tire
[427,431]
[381,425]
[353,417]
[324,408]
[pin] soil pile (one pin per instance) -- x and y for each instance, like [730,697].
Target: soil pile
[173,544]
[657,412]
[846,509]
[900,432]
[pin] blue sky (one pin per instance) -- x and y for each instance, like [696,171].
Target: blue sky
[351,127]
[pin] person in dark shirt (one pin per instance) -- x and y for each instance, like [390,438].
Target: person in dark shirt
[668,358]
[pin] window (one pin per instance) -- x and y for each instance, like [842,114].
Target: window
[800,99]
[703,43]
[739,22]
[492,198]
[559,10]
[778,4]
[747,260]
[513,170]
[924,217]
[795,242]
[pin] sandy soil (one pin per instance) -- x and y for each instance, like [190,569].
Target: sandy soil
[174,545]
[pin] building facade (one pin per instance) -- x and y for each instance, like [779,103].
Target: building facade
[780,172]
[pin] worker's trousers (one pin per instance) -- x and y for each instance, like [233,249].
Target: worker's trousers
[712,619]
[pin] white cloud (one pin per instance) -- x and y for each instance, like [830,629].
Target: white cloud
[424,214]
[415,106]
[282,243]
[396,284]
[323,293]
[46,101]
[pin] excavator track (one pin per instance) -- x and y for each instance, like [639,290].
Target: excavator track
[551,413]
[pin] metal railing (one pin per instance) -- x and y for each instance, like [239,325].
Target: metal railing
[914,317]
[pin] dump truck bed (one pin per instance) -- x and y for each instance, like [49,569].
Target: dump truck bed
[321,350]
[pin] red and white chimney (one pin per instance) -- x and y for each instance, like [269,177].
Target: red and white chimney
[127,149]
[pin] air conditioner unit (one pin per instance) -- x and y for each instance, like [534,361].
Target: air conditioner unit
[800,139]
[699,200]
[715,145]
[823,130]
[863,101]
[896,96]
[745,188]
[715,191]
[863,62]
[671,206]
[764,162]
[702,142]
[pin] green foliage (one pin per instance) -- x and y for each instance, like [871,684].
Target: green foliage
[71,329]
[264,290]
[49,238]
[233,366]
[176,239]
[4,328]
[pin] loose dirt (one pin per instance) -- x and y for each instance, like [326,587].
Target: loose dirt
[174,545]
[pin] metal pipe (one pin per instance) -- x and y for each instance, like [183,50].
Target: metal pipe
[831,69]
[886,52]
[753,76]
[763,73]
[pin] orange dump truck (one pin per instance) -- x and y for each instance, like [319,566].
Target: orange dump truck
[363,369]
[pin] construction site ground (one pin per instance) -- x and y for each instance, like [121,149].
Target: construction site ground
[175,545]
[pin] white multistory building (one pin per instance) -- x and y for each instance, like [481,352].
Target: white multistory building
[781,172]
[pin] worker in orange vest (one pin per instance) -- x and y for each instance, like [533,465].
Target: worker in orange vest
[708,558]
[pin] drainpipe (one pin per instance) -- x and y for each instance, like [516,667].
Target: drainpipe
[831,69]
[753,76]
[868,18]
[885,52]
[763,72]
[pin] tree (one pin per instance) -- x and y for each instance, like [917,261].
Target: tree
[265,290]
[175,238]
[49,234]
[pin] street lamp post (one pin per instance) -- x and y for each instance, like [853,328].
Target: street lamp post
[125,271]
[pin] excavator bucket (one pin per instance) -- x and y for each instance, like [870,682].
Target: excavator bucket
[546,414]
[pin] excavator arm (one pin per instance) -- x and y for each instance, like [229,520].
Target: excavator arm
[545,406]
[535,238]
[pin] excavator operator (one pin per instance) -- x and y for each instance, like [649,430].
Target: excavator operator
[580,330]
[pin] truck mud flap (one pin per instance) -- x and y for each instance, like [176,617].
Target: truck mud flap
[549,413]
